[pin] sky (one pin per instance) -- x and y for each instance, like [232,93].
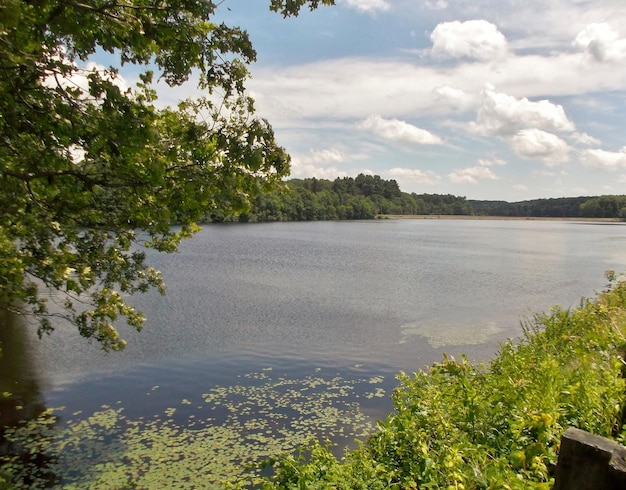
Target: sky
[488,99]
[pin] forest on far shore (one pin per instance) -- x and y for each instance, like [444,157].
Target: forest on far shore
[369,196]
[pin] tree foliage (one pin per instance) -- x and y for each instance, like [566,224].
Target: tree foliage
[604,207]
[563,207]
[90,168]
[368,196]
[363,197]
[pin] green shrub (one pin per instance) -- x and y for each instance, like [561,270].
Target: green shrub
[462,425]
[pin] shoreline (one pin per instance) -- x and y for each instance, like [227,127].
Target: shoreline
[501,218]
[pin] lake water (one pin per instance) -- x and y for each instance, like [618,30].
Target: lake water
[259,317]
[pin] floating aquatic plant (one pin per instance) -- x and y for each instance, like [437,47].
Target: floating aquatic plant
[204,441]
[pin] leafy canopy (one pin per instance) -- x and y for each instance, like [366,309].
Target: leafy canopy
[91,169]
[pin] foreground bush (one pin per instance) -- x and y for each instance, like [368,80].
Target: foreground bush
[462,425]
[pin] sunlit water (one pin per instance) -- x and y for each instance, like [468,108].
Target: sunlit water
[264,305]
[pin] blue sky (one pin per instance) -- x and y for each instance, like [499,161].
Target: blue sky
[480,98]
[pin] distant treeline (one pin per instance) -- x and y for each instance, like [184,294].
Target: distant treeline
[363,197]
[369,196]
[564,207]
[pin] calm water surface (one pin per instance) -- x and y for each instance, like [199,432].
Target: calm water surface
[391,294]
[356,299]
[383,292]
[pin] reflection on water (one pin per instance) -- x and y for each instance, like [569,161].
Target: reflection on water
[22,407]
[20,389]
[441,335]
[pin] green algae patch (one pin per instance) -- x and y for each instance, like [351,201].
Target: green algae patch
[202,441]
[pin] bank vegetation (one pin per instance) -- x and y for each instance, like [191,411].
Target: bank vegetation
[495,425]
[370,196]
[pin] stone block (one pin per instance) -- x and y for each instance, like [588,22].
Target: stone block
[590,462]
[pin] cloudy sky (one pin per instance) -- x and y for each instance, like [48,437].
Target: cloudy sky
[488,99]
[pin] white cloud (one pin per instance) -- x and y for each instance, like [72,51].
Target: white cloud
[436,4]
[502,114]
[413,175]
[490,162]
[329,155]
[369,6]
[602,42]
[543,173]
[338,88]
[320,163]
[585,139]
[454,98]
[396,130]
[608,160]
[537,144]
[472,175]
[80,77]
[549,25]
[76,153]
[476,39]
[309,171]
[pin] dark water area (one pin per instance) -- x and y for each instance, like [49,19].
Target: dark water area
[252,310]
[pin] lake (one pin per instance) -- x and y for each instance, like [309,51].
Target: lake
[274,333]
